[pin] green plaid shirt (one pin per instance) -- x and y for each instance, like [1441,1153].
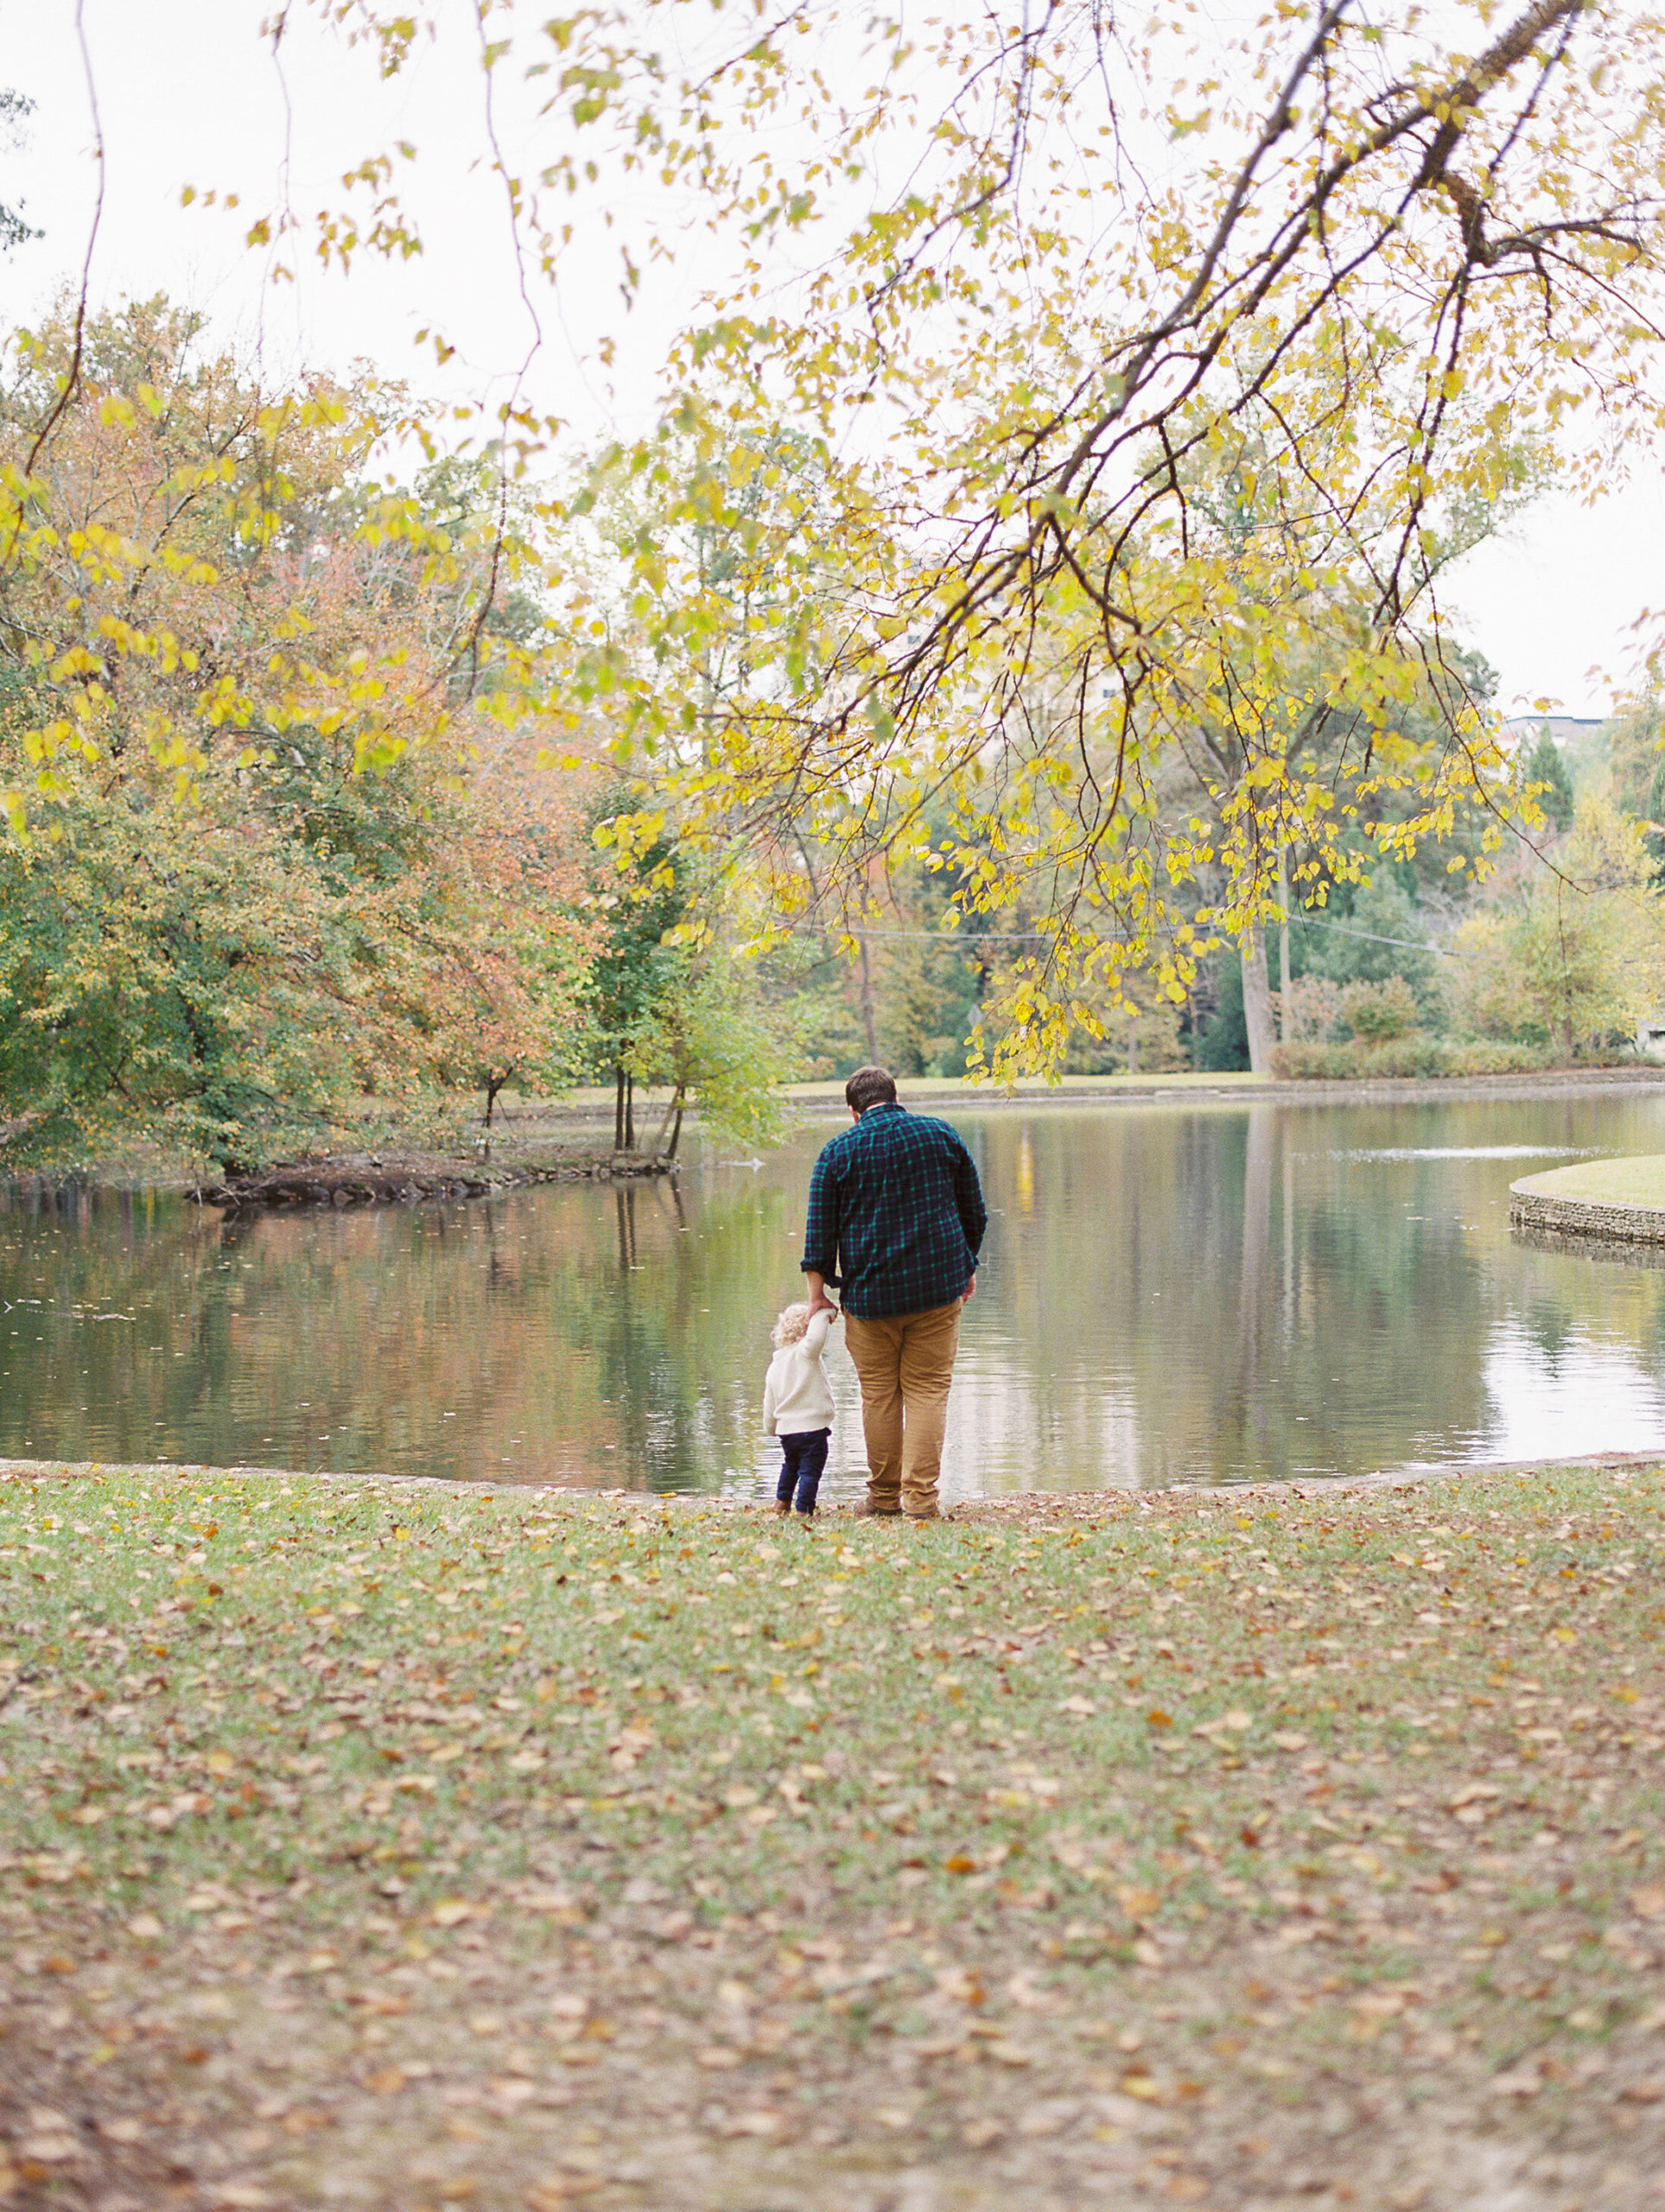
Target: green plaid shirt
[896,1215]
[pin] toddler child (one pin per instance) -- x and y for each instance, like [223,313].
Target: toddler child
[797,1404]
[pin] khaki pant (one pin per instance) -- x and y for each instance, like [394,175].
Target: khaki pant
[906,1363]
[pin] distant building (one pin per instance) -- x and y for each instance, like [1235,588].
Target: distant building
[1569,731]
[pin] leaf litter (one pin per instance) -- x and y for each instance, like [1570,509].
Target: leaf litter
[393,1845]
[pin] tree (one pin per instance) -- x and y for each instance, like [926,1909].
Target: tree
[1571,955]
[1546,772]
[1357,298]
[258,869]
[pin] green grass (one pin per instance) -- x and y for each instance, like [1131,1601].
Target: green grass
[402,1845]
[1605,1182]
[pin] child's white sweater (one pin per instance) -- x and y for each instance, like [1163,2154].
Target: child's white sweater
[797,1395]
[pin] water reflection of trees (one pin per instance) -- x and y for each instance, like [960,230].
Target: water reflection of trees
[502,1337]
[1318,1309]
[1169,1294]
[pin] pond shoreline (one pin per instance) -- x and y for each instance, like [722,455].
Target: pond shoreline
[997,1506]
[1595,1205]
[365,1179]
[406,1173]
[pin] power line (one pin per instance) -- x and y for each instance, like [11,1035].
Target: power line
[1371,937]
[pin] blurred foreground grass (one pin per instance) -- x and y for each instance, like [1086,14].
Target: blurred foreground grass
[397,1845]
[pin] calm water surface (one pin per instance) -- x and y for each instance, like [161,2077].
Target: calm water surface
[1212,1292]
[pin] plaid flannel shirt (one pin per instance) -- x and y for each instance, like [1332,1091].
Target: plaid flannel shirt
[896,1215]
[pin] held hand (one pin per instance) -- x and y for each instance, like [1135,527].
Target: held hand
[969,1291]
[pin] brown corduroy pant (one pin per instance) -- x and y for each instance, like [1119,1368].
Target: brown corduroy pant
[905,1363]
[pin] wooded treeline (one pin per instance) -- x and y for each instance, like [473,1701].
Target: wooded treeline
[315,849]
[297,866]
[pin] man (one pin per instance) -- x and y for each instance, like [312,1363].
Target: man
[896,1220]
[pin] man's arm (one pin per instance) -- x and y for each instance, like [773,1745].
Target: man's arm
[969,1198]
[820,1261]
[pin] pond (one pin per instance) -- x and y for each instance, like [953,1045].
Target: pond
[1207,1292]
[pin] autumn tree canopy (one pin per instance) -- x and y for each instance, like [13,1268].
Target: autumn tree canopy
[1034,289]
[1075,393]
[267,857]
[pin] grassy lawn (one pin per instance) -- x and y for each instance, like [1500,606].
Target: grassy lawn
[1605,1182]
[400,1846]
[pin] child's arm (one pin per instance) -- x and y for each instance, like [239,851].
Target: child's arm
[815,1336]
[769,1402]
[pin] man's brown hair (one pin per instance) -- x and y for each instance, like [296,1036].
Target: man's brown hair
[870,1087]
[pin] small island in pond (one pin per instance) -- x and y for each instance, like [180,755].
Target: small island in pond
[1604,1201]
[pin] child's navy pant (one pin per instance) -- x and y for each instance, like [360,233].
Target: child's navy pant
[801,1471]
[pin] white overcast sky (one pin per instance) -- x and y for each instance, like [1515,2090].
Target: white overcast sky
[188,97]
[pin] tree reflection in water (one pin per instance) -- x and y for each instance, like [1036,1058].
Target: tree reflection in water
[1202,1292]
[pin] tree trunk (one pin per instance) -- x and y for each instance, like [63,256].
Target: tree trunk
[673,1113]
[619,1109]
[676,1135]
[867,1008]
[630,1113]
[1257,1004]
[1284,1010]
[493,1084]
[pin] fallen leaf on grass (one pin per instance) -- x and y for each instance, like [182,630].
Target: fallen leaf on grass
[714,2056]
[1518,2081]
[1643,2092]
[1649,1903]
[49,2149]
[760,2123]
[980,2133]
[1472,1795]
[1077,1704]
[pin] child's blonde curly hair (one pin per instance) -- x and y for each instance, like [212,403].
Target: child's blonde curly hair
[793,1322]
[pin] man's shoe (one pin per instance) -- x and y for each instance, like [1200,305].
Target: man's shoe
[866,1510]
[921,1520]
[781,1506]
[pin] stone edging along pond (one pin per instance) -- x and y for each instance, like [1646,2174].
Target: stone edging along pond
[1595,1202]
